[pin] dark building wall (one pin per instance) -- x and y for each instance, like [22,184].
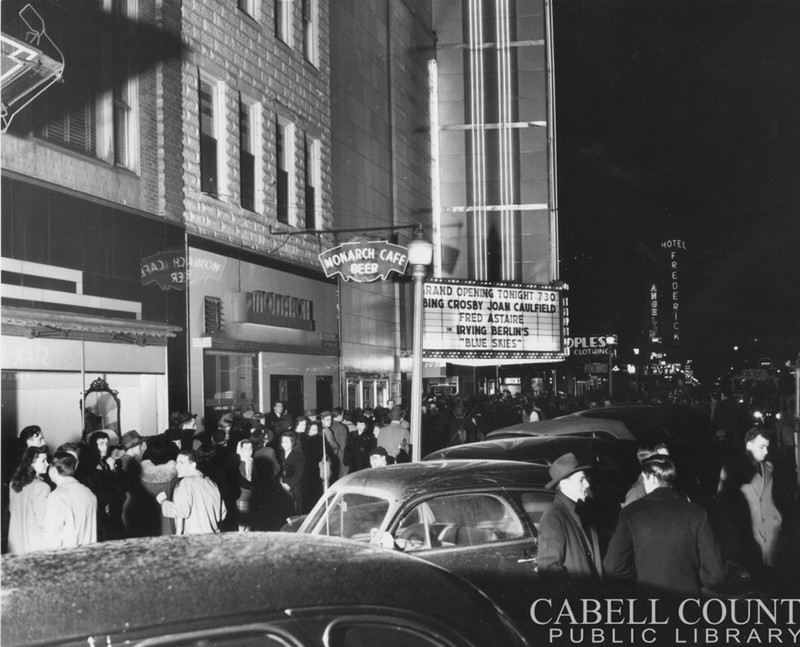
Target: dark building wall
[381,152]
[105,243]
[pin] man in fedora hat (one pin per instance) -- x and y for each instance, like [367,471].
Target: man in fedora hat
[132,446]
[569,550]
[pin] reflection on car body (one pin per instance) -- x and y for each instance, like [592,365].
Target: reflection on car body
[479,519]
[615,458]
[571,425]
[242,590]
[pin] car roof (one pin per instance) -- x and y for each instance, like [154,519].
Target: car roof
[571,424]
[540,449]
[119,586]
[407,480]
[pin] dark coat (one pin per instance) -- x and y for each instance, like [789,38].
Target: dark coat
[666,545]
[294,466]
[568,556]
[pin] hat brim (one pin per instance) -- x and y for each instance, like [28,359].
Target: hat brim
[551,484]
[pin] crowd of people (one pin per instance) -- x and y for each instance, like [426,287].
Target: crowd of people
[253,470]
[250,471]
[664,544]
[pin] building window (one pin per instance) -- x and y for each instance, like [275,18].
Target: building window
[210,147]
[213,322]
[67,113]
[250,7]
[124,88]
[283,20]
[284,144]
[248,138]
[310,33]
[312,180]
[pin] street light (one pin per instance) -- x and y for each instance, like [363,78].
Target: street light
[636,369]
[420,255]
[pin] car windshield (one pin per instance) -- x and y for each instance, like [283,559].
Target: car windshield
[352,515]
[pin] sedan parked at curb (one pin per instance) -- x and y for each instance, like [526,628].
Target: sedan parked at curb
[478,519]
[242,590]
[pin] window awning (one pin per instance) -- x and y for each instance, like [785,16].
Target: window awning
[33,323]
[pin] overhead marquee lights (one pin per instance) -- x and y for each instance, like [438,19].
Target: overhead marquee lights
[482,320]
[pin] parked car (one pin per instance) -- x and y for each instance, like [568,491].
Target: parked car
[605,454]
[613,460]
[235,590]
[478,519]
[688,434]
[570,425]
[614,465]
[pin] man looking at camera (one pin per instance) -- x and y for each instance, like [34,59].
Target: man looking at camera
[196,503]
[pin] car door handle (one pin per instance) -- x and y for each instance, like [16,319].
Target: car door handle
[526,560]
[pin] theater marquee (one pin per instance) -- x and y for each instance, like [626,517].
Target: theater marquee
[477,320]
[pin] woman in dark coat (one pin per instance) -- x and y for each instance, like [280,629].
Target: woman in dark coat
[293,464]
[105,479]
[360,443]
[312,446]
[246,478]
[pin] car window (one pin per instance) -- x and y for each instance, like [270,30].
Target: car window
[351,515]
[385,633]
[534,504]
[458,520]
[233,637]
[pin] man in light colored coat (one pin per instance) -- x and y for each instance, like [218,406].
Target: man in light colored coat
[393,437]
[196,505]
[751,518]
[71,515]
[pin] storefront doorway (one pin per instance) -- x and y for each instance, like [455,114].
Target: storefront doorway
[363,392]
[288,389]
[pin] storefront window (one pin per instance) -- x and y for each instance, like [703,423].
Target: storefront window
[230,380]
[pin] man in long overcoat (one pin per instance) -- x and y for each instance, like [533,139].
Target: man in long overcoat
[664,543]
[569,549]
[750,514]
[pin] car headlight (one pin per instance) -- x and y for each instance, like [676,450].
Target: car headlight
[778,416]
[758,415]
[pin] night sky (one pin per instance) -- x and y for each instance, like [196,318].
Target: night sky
[680,119]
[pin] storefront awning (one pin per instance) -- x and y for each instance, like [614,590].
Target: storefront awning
[33,323]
